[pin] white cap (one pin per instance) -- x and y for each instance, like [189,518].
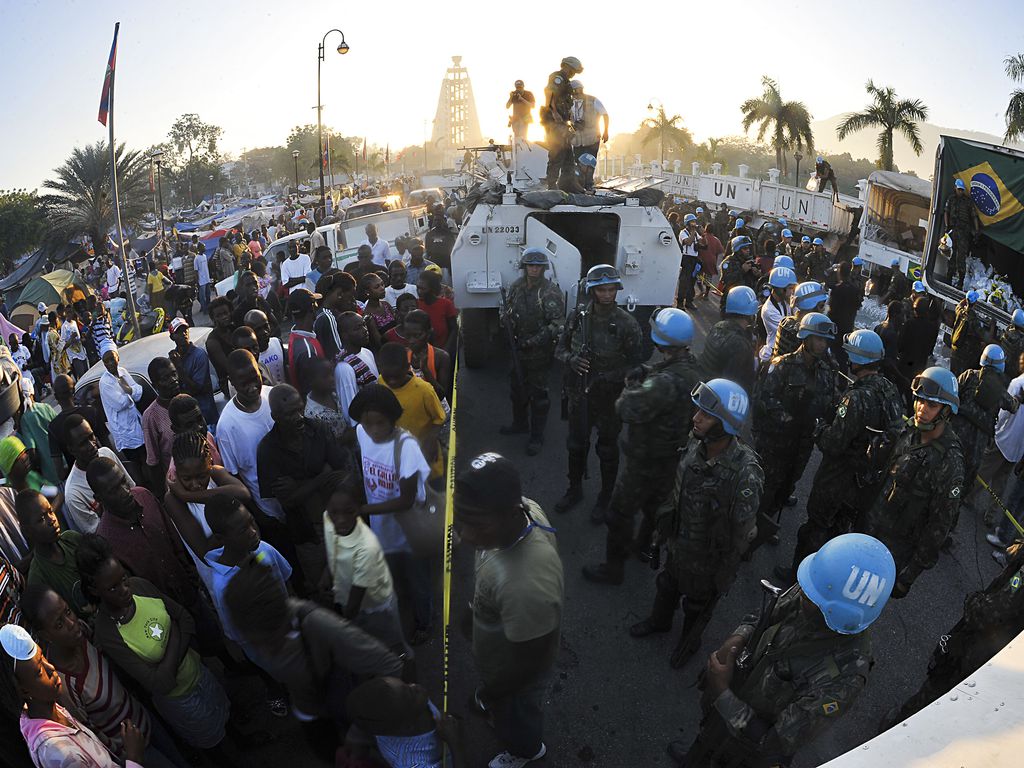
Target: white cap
[17,642]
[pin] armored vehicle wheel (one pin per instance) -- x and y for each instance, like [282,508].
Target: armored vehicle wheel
[476,337]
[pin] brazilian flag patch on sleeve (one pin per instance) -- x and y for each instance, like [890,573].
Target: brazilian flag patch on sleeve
[830,708]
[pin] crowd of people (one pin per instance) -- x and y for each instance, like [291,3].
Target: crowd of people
[268,509]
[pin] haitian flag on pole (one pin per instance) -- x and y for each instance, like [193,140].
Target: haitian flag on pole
[995,182]
[108,79]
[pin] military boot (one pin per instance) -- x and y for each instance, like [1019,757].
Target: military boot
[574,494]
[538,418]
[599,512]
[519,425]
[660,620]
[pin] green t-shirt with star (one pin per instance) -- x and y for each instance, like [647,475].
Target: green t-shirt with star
[147,633]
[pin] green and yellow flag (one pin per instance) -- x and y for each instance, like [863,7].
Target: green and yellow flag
[995,182]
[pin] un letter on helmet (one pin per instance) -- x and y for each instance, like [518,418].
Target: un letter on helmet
[867,589]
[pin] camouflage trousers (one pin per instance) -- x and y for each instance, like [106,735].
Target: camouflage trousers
[595,411]
[783,459]
[644,484]
[530,395]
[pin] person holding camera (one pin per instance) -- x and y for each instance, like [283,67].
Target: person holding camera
[521,102]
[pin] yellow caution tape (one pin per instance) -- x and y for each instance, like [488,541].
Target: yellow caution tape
[449,533]
[999,501]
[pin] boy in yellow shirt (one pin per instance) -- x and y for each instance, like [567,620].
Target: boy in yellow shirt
[422,414]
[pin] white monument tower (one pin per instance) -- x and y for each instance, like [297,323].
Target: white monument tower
[456,124]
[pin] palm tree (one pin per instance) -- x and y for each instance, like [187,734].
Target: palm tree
[80,201]
[891,115]
[1015,109]
[668,131]
[707,153]
[788,121]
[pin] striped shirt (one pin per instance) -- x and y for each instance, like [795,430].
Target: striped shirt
[101,330]
[98,692]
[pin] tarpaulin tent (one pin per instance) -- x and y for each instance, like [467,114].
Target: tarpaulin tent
[36,263]
[49,289]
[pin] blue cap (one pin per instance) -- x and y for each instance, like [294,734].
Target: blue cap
[783,223]
[919,287]
[972,296]
[805,239]
[959,184]
[858,261]
[817,241]
[786,233]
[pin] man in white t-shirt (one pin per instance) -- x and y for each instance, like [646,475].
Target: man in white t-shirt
[202,266]
[113,277]
[80,503]
[380,248]
[295,268]
[243,423]
[271,349]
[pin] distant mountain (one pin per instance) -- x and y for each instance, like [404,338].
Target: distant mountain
[862,143]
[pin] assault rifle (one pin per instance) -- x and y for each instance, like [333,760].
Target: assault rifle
[506,322]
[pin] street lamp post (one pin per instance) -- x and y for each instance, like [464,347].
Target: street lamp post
[156,157]
[342,49]
[295,157]
[798,157]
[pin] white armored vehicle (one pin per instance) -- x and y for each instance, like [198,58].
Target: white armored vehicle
[607,228]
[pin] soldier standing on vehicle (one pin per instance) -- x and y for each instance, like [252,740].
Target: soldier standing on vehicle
[825,175]
[709,519]
[690,242]
[1012,342]
[796,391]
[729,350]
[807,297]
[854,450]
[535,309]
[992,618]
[554,116]
[739,267]
[786,674]
[961,221]
[983,394]
[656,406]
[924,481]
[601,342]
[968,334]
[590,129]
[521,101]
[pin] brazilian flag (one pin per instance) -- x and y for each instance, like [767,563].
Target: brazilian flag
[995,182]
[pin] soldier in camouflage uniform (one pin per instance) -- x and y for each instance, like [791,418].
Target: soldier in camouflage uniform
[738,268]
[807,297]
[992,618]
[787,674]
[802,258]
[924,480]
[657,408]
[709,519]
[536,310]
[729,350]
[961,219]
[853,450]
[968,335]
[1012,342]
[601,342]
[797,390]
[982,394]
[818,261]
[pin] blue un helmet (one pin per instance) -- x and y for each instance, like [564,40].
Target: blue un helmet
[534,256]
[588,160]
[725,400]
[602,274]
[1018,318]
[850,579]
[740,242]
[689,217]
[993,356]
[783,261]
[937,385]
[809,295]
[972,296]
[816,324]
[671,327]
[781,277]
[741,300]
[787,233]
[895,262]
[919,287]
[857,261]
[733,213]
[805,239]
[864,347]
[699,209]
[784,223]
[818,241]
[739,223]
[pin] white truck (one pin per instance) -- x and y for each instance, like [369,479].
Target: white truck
[894,222]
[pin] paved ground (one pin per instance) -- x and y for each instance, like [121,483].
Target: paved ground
[614,700]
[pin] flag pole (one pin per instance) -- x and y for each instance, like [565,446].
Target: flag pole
[133,312]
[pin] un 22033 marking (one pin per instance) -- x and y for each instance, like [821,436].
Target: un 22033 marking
[502,229]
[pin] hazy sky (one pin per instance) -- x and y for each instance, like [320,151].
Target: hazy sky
[250,66]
